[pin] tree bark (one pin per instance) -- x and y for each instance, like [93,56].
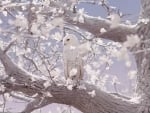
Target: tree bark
[143,58]
[94,24]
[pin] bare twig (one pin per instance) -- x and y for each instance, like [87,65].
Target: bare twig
[11,14]
[9,46]
[32,61]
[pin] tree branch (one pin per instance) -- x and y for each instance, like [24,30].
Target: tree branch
[94,24]
[91,24]
[9,46]
[79,98]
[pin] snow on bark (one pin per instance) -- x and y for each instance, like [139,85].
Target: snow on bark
[79,98]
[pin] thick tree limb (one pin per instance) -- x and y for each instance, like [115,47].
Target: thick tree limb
[36,104]
[94,24]
[79,98]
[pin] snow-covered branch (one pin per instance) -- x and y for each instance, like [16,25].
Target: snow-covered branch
[94,25]
[88,23]
[79,98]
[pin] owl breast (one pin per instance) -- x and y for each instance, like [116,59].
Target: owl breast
[72,55]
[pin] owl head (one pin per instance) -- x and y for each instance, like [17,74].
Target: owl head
[70,40]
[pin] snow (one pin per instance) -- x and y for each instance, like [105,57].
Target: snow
[12,79]
[8,97]
[47,84]
[132,74]
[115,20]
[5,13]
[81,19]
[92,93]
[57,36]
[144,20]
[1,21]
[115,80]
[128,63]
[73,72]
[48,94]
[2,88]
[132,40]
[57,22]
[103,30]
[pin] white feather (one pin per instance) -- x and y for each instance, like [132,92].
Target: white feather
[72,58]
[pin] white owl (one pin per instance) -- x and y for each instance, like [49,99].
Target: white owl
[73,63]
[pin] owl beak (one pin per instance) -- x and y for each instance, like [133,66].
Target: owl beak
[65,44]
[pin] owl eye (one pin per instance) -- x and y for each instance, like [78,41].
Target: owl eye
[68,39]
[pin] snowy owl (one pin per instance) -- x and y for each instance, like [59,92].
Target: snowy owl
[73,63]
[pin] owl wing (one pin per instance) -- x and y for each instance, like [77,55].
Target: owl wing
[81,68]
[65,64]
[76,62]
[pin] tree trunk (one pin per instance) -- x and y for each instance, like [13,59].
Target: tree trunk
[143,57]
